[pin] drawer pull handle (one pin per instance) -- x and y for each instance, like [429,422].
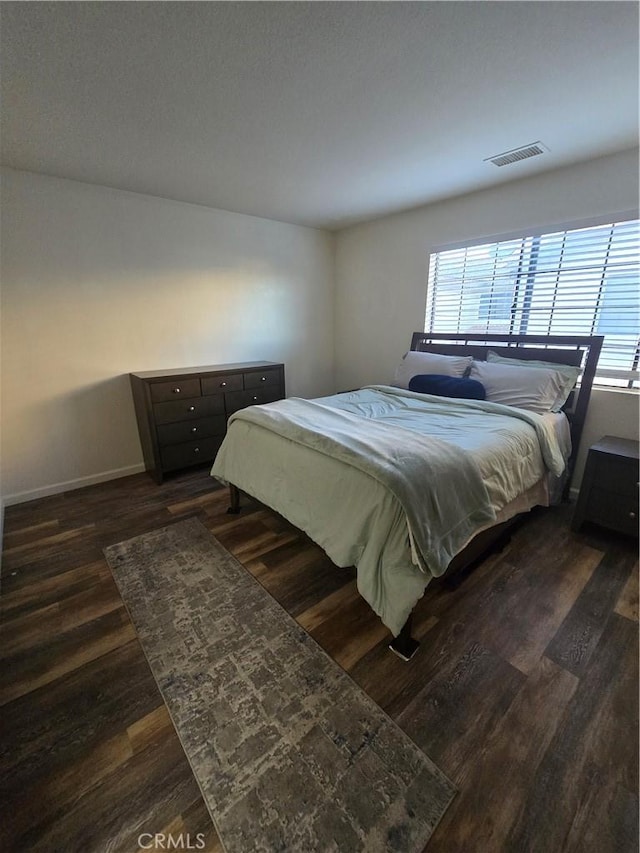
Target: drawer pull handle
[175,390]
[263,379]
[194,429]
[223,384]
[254,398]
[192,408]
[196,450]
[632,515]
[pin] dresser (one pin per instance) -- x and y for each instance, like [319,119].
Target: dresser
[609,490]
[182,413]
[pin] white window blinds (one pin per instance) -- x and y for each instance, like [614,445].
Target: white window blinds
[579,282]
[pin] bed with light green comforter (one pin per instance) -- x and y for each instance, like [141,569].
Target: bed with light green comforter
[393,482]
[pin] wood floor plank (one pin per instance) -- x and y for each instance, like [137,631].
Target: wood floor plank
[446,720]
[573,645]
[606,818]
[218,521]
[351,634]
[560,784]
[393,686]
[546,608]
[627,604]
[24,535]
[239,535]
[29,632]
[19,554]
[545,758]
[336,602]
[32,513]
[262,544]
[527,597]
[50,590]
[26,671]
[295,571]
[56,724]
[149,728]
[134,798]
[495,788]
[42,566]
[613,729]
[56,792]
[204,501]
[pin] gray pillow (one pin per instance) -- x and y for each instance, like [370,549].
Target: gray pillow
[569,374]
[533,388]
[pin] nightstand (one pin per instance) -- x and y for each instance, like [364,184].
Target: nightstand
[609,490]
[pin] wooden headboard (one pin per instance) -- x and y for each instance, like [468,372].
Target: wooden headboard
[576,350]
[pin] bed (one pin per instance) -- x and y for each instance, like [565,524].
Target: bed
[406,484]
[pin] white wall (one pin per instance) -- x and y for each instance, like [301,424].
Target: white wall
[97,283]
[611,412]
[382,267]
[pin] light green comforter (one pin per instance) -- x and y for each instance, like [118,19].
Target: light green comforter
[369,476]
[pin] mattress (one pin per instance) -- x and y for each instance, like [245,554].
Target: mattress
[353,516]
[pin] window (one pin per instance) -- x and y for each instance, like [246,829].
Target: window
[579,282]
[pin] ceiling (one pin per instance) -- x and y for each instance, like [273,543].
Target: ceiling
[315,113]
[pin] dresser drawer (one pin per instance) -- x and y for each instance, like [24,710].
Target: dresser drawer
[191,430]
[612,510]
[616,475]
[235,400]
[261,379]
[189,453]
[182,410]
[220,384]
[178,389]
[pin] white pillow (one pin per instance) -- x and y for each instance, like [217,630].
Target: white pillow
[569,374]
[415,363]
[532,388]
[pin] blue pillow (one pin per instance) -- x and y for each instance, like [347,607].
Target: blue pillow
[447,386]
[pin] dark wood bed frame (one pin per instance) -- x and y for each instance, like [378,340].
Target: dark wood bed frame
[575,350]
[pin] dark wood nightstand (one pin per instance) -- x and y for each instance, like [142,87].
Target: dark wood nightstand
[609,490]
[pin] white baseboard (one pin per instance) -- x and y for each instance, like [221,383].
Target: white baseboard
[68,485]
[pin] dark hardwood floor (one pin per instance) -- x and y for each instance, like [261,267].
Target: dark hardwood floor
[524,690]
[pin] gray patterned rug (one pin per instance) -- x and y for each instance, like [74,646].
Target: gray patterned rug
[290,754]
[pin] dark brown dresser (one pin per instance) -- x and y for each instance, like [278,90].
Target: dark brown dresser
[609,490]
[182,413]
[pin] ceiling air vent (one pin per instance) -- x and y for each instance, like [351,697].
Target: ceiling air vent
[507,157]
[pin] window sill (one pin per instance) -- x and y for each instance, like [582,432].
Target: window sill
[611,389]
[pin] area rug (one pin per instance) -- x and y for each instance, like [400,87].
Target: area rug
[290,754]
